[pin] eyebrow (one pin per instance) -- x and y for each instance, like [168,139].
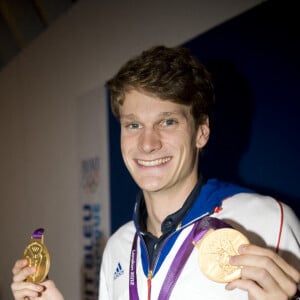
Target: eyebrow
[162,114]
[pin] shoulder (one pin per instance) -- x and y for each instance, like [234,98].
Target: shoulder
[253,206]
[124,235]
[118,245]
[262,217]
[248,203]
[115,262]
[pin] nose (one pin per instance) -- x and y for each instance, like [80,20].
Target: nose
[150,140]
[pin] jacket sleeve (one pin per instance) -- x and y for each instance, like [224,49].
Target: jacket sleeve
[103,285]
[289,241]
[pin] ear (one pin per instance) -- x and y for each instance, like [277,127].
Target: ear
[202,135]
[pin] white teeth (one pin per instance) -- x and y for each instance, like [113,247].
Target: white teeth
[152,163]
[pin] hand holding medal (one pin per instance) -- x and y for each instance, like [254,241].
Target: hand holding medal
[214,251]
[37,256]
[30,273]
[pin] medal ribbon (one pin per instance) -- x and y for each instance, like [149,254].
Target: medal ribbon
[197,232]
[38,233]
[132,271]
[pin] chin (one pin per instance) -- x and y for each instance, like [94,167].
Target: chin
[150,186]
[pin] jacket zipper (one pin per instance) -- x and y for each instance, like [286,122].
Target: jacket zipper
[151,270]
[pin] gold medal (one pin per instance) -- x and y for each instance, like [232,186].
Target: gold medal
[38,256]
[215,250]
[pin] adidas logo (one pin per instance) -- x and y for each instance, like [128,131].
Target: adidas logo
[119,271]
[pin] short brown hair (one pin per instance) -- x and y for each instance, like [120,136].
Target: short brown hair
[167,73]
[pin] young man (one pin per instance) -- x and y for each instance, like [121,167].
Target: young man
[163,99]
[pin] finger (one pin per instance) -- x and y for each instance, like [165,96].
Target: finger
[255,292]
[48,285]
[265,271]
[23,274]
[20,264]
[51,291]
[263,279]
[22,290]
[287,268]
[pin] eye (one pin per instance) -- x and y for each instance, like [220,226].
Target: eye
[168,122]
[133,126]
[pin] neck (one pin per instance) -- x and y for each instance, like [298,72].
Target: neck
[163,203]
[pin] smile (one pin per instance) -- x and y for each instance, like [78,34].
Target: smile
[152,163]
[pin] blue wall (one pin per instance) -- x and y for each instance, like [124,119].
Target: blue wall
[254,59]
[123,189]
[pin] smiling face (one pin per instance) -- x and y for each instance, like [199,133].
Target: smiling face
[159,142]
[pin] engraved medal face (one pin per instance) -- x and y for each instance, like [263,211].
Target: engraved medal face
[215,250]
[38,256]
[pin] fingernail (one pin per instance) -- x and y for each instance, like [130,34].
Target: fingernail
[40,288]
[242,248]
[232,259]
[24,262]
[31,270]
